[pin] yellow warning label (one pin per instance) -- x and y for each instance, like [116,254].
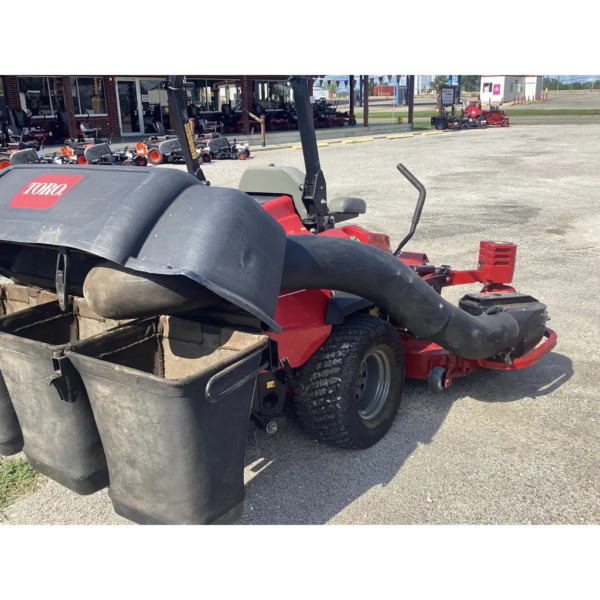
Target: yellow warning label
[190,139]
[270,384]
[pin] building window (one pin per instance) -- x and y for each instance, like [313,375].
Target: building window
[511,86]
[43,96]
[487,87]
[36,95]
[88,95]
[209,95]
[272,94]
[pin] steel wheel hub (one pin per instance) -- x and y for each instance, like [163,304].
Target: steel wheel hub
[373,385]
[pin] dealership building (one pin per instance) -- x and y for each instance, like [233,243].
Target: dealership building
[129,105]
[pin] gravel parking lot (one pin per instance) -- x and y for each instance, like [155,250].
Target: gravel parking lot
[496,447]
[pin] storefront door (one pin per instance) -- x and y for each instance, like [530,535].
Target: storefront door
[130,106]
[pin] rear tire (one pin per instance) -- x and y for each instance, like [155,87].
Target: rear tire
[156,157]
[349,391]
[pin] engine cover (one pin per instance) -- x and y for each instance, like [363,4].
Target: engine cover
[530,314]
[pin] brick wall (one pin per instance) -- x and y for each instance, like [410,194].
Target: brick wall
[11,91]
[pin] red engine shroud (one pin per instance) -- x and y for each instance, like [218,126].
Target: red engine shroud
[302,313]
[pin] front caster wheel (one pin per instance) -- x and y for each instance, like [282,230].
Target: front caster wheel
[437,379]
[349,391]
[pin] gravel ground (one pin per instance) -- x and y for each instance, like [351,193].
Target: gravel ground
[496,447]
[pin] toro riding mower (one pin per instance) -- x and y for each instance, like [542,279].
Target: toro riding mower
[152,316]
[494,117]
[446,120]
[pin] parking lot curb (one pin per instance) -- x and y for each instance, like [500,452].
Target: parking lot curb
[399,136]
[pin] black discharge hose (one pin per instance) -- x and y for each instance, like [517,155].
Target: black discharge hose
[322,262]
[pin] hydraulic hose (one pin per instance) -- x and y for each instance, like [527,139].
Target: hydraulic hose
[322,262]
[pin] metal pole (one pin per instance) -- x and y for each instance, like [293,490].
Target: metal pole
[360,91]
[411,98]
[69,107]
[246,106]
[263,141]
[366,101]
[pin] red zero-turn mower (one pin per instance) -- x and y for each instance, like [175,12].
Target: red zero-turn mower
[493,117]
[152,314]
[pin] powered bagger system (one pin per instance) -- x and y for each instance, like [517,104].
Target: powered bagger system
[152,318]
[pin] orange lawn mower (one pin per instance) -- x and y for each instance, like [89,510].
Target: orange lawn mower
[160,150]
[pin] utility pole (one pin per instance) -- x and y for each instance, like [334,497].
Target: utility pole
[557,82]
[572,77]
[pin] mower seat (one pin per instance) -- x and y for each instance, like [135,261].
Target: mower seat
[25,157]
[88,131]
[347,207]
[97,153]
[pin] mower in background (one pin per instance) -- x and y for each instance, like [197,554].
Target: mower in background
[220,148]
[492,117]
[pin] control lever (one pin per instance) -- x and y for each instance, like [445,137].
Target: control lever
[420,202]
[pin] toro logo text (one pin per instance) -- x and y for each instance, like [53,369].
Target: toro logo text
[44,191]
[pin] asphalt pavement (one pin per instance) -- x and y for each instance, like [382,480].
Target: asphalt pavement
[497,447]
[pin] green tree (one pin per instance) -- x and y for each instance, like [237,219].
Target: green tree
[470,83]
[552,84]
[439,80]
[332,86]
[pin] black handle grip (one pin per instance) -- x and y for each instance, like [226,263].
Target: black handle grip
[233,377]
[420,203]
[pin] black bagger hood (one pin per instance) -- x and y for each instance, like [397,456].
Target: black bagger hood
[155,221]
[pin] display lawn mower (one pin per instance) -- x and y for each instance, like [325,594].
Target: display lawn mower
[494,117]
[327,115]
[168,150]
[26,156]
[220,148]
[211,304]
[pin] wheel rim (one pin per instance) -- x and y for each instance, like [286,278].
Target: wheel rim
[4,164]
[155,155]
[373,385]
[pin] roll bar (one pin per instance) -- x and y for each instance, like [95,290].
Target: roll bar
[175,86]
[314,192]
